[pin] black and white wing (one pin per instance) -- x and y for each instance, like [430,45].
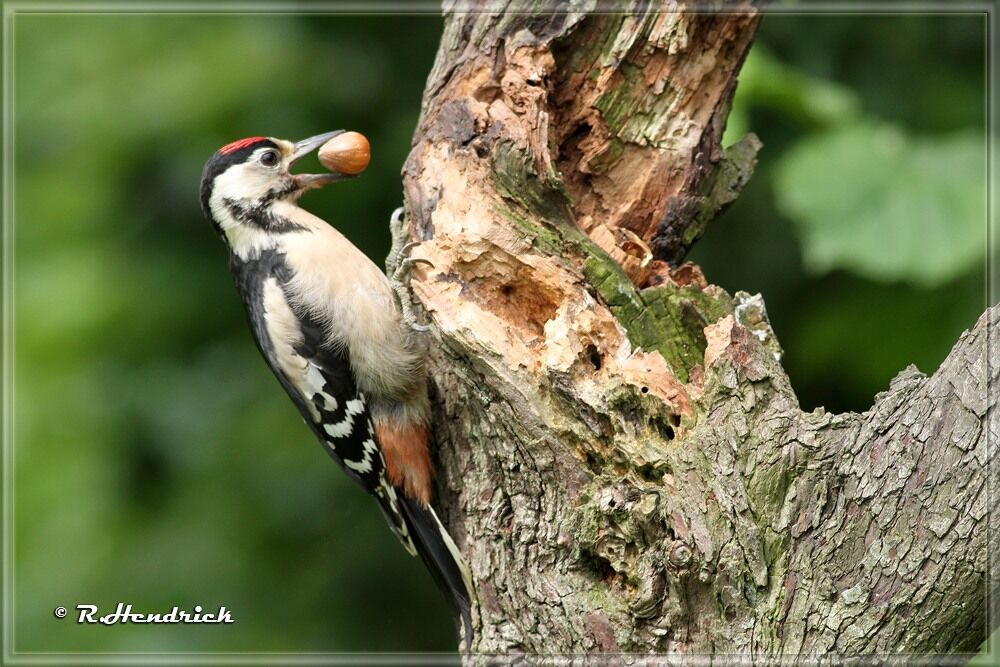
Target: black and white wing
[318,379]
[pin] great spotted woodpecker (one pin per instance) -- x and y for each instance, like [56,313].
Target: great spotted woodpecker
[339,337]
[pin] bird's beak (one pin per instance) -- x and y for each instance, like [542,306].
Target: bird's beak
[306,146]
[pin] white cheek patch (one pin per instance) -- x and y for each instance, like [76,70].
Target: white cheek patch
[245,240]
[244,181]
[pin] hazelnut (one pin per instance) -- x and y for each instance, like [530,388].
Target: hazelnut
[347,153]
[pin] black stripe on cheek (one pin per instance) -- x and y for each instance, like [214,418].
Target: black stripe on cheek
[259,215]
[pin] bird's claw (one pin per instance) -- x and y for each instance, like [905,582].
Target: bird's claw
[407,263]
[398,266]
[399,238]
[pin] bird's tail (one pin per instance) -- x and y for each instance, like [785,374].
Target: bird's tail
[443,559]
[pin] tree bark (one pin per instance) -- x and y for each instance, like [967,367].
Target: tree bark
[622,457]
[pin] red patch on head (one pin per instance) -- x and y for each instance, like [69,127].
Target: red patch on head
[242,143]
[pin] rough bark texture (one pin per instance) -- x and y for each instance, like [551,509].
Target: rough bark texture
[623,459]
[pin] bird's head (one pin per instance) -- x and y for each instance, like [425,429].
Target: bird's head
[244,179]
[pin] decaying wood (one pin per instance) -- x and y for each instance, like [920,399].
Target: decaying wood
[622,457]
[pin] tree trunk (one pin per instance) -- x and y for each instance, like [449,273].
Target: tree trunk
[622,458]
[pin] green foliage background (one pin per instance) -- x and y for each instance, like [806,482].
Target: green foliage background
[156,460]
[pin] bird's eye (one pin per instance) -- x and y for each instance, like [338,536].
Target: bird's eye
[269,158]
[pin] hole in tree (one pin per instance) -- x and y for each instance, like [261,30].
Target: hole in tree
[593,463]
[665,430]
[595,357]
[668,530]
[598,565]
[581,131]
[649,473]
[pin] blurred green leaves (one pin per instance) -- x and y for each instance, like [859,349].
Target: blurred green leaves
[766,81]
[874,200]
[157,460]
[864,224]
[868,196]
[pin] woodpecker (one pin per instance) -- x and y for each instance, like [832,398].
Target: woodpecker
[339,336]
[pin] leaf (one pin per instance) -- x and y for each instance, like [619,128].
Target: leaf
[872,200]
[769,83]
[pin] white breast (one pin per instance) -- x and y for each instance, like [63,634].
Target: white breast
[341,287]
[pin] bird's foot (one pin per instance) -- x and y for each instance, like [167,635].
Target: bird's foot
[398,266]
[397,228]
